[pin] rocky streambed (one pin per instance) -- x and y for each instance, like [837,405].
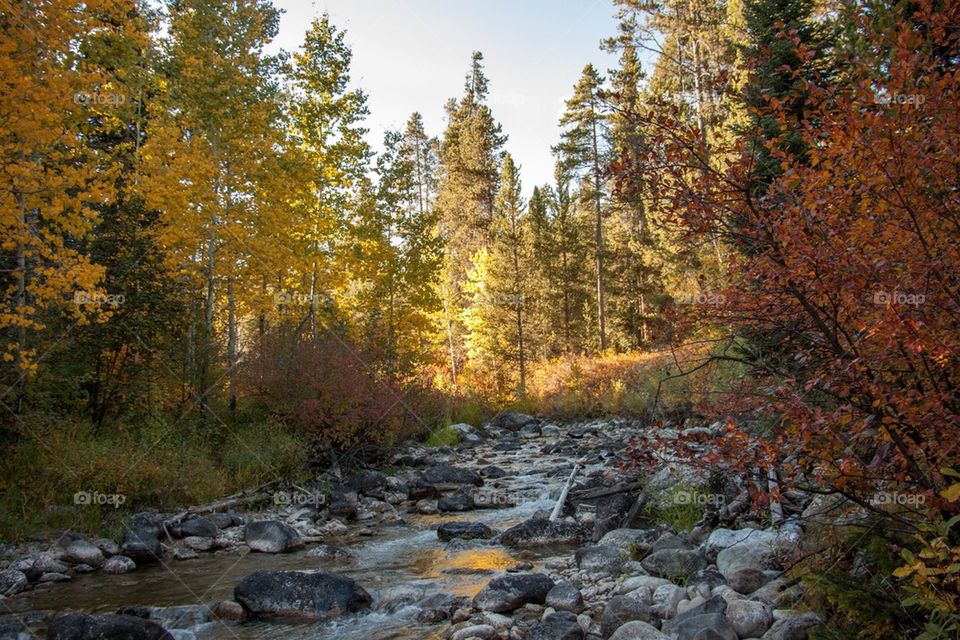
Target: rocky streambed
[451,543]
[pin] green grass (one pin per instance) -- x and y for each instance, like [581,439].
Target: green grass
[153,466]
[443,437]
[682,515]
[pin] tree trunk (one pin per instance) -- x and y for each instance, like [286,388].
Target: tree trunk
[598,238]
[232,344]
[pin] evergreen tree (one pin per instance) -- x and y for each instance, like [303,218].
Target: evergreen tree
[584,149]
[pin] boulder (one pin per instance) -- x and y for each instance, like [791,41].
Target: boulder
[792,627]
[565,596]
[455,503]
[666,597]
[601,559]
[12,582]
[225,520]
[141,546]
[344,505]
[636,605]
[464,530]
[448,474]
[196,526]
[712,626]
[529,430]
[83,552]
[493,472]
[511,421]
[540,532]
[749,618]
[118,565]
[708,576]
[638,630]
[674,563]
[37,565]
[475,632]
[721,539]
[562,625]
[302,594]
[271,536]
[81,626]
[651,583]
[743,565]
[511,592]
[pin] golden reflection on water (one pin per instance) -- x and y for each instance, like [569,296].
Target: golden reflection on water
[436,562]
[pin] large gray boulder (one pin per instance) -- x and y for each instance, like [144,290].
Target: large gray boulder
[300,594]
[562,625]
[794,627]
[565,596]
[36,565]
[12,582]
[81,626]
[448,474]
[196,526]
[601,559]
[636,605]
[743,565]
[706,625]
[465,531]
[271,536]
[142,546]
[540,532]
[511,592]
[83,552]
[674,564]
[638,630]
[511,421]
[721,539]
[749,618]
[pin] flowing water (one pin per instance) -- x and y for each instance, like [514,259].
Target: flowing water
[394,562]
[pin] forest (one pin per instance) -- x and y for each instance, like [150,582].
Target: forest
[212,281]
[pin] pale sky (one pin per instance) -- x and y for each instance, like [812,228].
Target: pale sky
[412,55]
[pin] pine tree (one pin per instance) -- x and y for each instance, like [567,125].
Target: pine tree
[498,317]
[584,149]
[470,156]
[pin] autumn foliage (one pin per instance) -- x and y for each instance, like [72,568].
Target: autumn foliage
[840,285]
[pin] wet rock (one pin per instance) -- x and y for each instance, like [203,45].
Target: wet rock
[107,546]
[81,626]
[84,568]
[37,565]
[141,546]
[448,474]
[638,630]
[54,577]
[493,472]
[475,631]
[530,430]
[674,563]
[750,619]
[419,489]
[12,582]
[707,576]
[511,592]
[562,625]
[83,552]
[792,627]
[331,553]
[426,507]
[540,532]
[565,596]
[511,421]
[228,610]
[181,554]
[582,431]
[464,530]
[344,505]
[305,594]
[721,539]
[198,544]
[455,503]
[119,564]
[714,626]
[271,536]
[601,559]
[225,520]
[195,527]
[636,605]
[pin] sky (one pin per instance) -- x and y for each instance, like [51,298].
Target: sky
[412,55]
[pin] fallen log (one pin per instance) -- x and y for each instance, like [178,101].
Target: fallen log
[563,494]
[588,494]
